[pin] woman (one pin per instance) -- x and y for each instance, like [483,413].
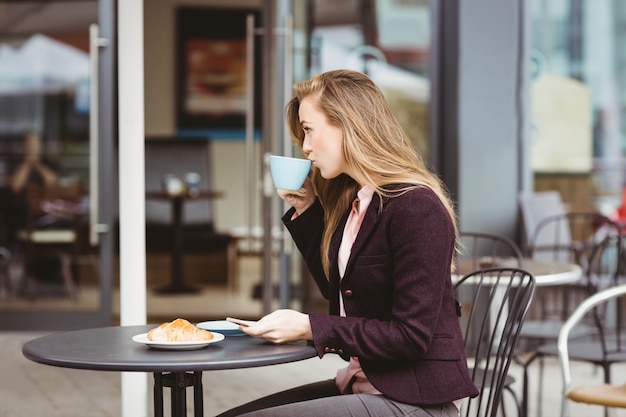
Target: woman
[378,233]
[35,168]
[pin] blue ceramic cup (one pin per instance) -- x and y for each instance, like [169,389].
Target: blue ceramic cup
[289,173]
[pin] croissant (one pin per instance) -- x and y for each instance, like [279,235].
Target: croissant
[179,330]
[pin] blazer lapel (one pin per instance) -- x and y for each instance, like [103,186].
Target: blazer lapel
[336,242]
[333,279]
[366,229]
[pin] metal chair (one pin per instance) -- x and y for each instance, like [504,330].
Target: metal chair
[566,237]
[487,250]
[570,236]
[537,206]
[595,340]
[494,303]
[52,238]
[610,343]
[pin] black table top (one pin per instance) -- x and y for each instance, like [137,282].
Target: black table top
[112,349]
[202,194]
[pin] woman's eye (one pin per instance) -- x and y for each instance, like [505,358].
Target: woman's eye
[306,129]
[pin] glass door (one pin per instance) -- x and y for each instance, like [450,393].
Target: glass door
[210,81]
[387,39]
[55,269]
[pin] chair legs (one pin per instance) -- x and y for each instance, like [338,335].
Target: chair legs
[68,277]
[525,394]
[525,390]
[540,387]
[65,265]
[518,403]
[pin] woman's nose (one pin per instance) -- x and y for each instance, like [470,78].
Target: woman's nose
[306,145]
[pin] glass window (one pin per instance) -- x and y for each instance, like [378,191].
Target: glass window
[578,101]
[44,157]
[387,39]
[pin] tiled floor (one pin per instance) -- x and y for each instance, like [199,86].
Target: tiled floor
[31,389]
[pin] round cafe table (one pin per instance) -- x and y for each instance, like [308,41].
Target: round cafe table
[546,272]
[178,285]
[112,349]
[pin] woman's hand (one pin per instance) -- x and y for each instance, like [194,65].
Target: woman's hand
[301,199]
[281,326]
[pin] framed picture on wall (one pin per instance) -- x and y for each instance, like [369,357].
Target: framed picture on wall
[212,71]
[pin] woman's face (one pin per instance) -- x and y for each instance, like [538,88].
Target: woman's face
[322,140]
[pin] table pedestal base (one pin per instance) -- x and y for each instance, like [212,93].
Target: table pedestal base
[178,383]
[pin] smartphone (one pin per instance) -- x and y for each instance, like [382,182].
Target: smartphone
[240,322]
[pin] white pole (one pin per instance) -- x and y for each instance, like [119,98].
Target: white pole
[132,191]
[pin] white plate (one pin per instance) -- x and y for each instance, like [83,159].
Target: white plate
[143,338]
[225,327]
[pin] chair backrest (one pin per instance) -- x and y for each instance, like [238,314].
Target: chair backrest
[494,304]
[607,269]
[607,263]
[178,156]
[604,268]
[486,250]
[536,206]
[580,238]
[570,237]
[606,307]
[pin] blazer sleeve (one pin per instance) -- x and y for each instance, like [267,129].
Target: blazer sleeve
[306,231]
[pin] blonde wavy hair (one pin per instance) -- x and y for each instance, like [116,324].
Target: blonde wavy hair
[375,146]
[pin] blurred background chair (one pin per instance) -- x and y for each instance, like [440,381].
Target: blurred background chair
[604,306]
[52,239]
[598,339]
[486,250]
[551,233]
[493,304]
[537,206]
[568,237]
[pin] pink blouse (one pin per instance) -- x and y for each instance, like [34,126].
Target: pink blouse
[352,379]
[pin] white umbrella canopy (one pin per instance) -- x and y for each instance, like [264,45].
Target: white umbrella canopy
[16,73]
[41,65]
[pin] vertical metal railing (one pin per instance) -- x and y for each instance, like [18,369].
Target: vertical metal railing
[270,119]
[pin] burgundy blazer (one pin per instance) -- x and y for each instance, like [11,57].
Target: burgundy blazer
[402,320]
